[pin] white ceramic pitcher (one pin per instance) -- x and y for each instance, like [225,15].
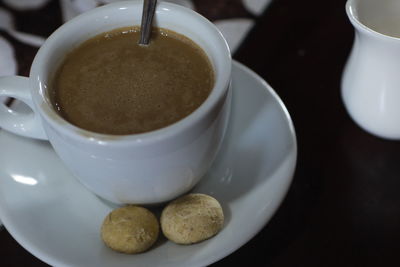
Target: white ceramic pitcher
[371,78]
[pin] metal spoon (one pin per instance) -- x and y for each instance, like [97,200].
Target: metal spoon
[149,7]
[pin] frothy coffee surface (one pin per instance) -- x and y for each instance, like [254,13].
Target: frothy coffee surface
[112,85]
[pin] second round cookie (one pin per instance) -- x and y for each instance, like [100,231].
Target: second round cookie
[192,218]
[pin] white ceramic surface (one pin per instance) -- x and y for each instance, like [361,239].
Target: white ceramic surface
[55,218]
[152,167]
[371,80]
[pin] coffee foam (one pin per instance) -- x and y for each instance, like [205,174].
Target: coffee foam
[112,85]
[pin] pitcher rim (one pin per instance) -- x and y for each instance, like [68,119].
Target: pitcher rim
[353,17]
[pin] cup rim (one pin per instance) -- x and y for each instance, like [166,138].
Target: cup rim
[353,17]
[38,86]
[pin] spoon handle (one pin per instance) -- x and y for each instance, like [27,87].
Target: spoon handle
[149,7]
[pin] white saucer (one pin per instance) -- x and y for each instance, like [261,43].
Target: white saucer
[55,218]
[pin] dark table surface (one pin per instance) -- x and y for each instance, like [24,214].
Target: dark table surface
[343,207]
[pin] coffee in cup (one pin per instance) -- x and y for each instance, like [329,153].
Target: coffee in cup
[112,85]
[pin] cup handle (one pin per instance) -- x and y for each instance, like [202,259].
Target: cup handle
[20,123]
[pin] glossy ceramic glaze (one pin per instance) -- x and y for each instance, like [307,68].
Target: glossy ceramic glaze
[56,219]
[144,168]
[371,78]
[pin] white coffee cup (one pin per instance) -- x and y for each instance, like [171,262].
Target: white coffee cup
[146,168]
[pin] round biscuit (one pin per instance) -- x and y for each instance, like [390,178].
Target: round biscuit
[130,229]
[192,218]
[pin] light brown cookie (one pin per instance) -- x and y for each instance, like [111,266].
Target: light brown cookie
[192,218]
[130,229]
